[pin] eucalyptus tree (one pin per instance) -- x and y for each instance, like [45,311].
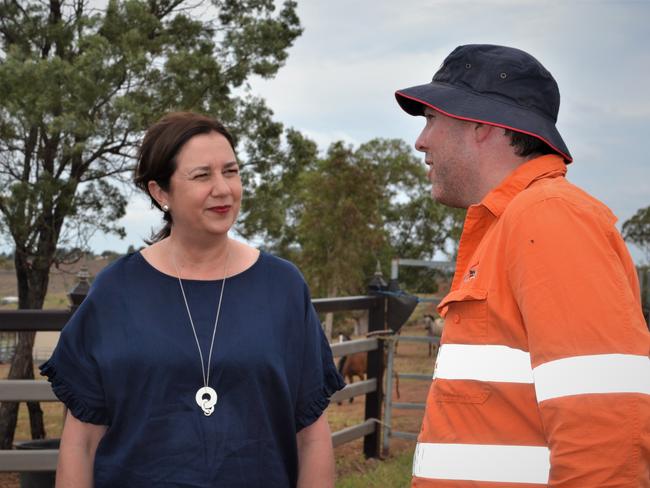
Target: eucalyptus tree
[637,231]
[79,84]
[416,227]
[339,227]
[337,214]
[272,215]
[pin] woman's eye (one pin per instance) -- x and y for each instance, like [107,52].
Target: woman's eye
[232,171]
[199,175]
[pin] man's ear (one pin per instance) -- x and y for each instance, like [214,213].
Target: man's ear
[483,131]
[157,192]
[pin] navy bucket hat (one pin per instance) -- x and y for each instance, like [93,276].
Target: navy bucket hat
[494,85]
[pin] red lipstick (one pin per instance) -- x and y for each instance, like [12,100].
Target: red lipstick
[220,209]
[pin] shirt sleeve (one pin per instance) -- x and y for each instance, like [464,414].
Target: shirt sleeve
[73,370]
[319,378]
[577,293]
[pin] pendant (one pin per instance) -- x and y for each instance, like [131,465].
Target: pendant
[206,398]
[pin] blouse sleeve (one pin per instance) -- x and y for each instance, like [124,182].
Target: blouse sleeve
[319,377]
[73,370]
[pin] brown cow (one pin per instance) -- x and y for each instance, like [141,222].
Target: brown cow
[357,365]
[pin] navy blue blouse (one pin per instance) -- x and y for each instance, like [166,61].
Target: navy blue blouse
[128,359]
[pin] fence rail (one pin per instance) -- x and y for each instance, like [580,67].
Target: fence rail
[33,320]
[24,461]
[26,391]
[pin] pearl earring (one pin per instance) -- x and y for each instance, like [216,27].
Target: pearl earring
[165,208]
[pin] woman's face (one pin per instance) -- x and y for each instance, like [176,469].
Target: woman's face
[205,191]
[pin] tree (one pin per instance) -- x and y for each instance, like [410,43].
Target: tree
[339,228]
[416,226]
[336,216]
[272,205]
[637,230]
[79,86]
[357,207]
[109,255]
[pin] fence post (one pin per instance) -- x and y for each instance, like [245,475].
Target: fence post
[79,292]
[376,321]
[389,391]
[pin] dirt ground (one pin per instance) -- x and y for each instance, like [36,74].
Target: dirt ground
[9,480]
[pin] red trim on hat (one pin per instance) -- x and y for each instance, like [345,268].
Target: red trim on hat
[566,156]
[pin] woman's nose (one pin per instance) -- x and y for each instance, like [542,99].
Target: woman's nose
[219,185]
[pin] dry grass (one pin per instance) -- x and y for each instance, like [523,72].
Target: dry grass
[62,280]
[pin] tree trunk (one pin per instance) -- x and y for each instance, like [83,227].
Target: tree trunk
[22,367]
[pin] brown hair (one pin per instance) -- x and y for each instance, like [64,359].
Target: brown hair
[157,154]
[526,145]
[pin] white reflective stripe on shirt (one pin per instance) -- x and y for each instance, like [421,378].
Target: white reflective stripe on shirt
[602,373]
[483,363]
[482,462]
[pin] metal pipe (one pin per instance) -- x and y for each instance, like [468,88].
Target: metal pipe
[388,397]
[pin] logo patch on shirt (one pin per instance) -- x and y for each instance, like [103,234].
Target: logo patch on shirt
[471,274]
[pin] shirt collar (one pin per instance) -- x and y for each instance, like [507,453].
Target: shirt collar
[548,166]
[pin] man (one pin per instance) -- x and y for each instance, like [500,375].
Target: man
[543,375]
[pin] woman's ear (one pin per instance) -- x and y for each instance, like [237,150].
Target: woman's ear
[157,192]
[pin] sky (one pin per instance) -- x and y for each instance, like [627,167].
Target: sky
[339,81]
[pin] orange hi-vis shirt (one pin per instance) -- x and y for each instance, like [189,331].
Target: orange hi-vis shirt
[543,373]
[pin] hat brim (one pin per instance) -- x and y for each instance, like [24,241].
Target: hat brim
[474,107]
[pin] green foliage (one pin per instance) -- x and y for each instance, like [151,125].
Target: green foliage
[340,228]
[272,205]
[394,472]
[637,230]
[416,226]
[80,85]
[339,214]
[6,262]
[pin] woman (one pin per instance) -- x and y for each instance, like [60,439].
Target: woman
[198,361]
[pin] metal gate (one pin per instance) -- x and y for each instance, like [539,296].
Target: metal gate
[389,404]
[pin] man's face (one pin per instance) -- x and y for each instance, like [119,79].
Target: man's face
[447,144]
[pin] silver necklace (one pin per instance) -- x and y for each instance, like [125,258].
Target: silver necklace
[205,397]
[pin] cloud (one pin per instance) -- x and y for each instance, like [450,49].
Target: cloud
[339,79]
[139,222]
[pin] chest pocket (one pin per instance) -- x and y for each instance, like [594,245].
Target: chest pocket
[467,315]
[466,322]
